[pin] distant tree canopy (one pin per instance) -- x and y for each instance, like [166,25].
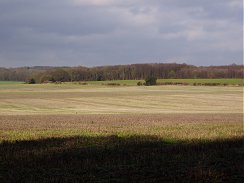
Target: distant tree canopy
[120,72]
[55,75]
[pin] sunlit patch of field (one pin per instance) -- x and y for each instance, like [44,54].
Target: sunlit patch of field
[169,126]
[76,99]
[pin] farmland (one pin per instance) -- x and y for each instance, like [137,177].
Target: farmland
[101,99]
[174,81]
[98,133]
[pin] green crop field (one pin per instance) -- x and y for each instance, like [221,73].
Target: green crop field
[73,132]
[10,82]
[185,81]
[203,81]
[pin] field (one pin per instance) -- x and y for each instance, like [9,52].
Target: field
[98,133]
[167,81]
[101,99]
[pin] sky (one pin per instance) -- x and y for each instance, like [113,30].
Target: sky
[112,32]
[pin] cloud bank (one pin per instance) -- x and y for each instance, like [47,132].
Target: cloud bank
[109,32]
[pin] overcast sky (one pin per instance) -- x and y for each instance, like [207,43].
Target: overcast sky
[110,32]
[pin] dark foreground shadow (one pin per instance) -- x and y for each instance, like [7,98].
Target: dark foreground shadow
[120,159]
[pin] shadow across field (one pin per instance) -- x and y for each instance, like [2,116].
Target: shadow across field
[121,159]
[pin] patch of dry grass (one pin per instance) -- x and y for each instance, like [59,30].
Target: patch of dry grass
[74,99]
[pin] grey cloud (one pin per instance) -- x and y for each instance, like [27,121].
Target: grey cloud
[61,32]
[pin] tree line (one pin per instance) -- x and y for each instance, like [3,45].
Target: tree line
[120,72]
